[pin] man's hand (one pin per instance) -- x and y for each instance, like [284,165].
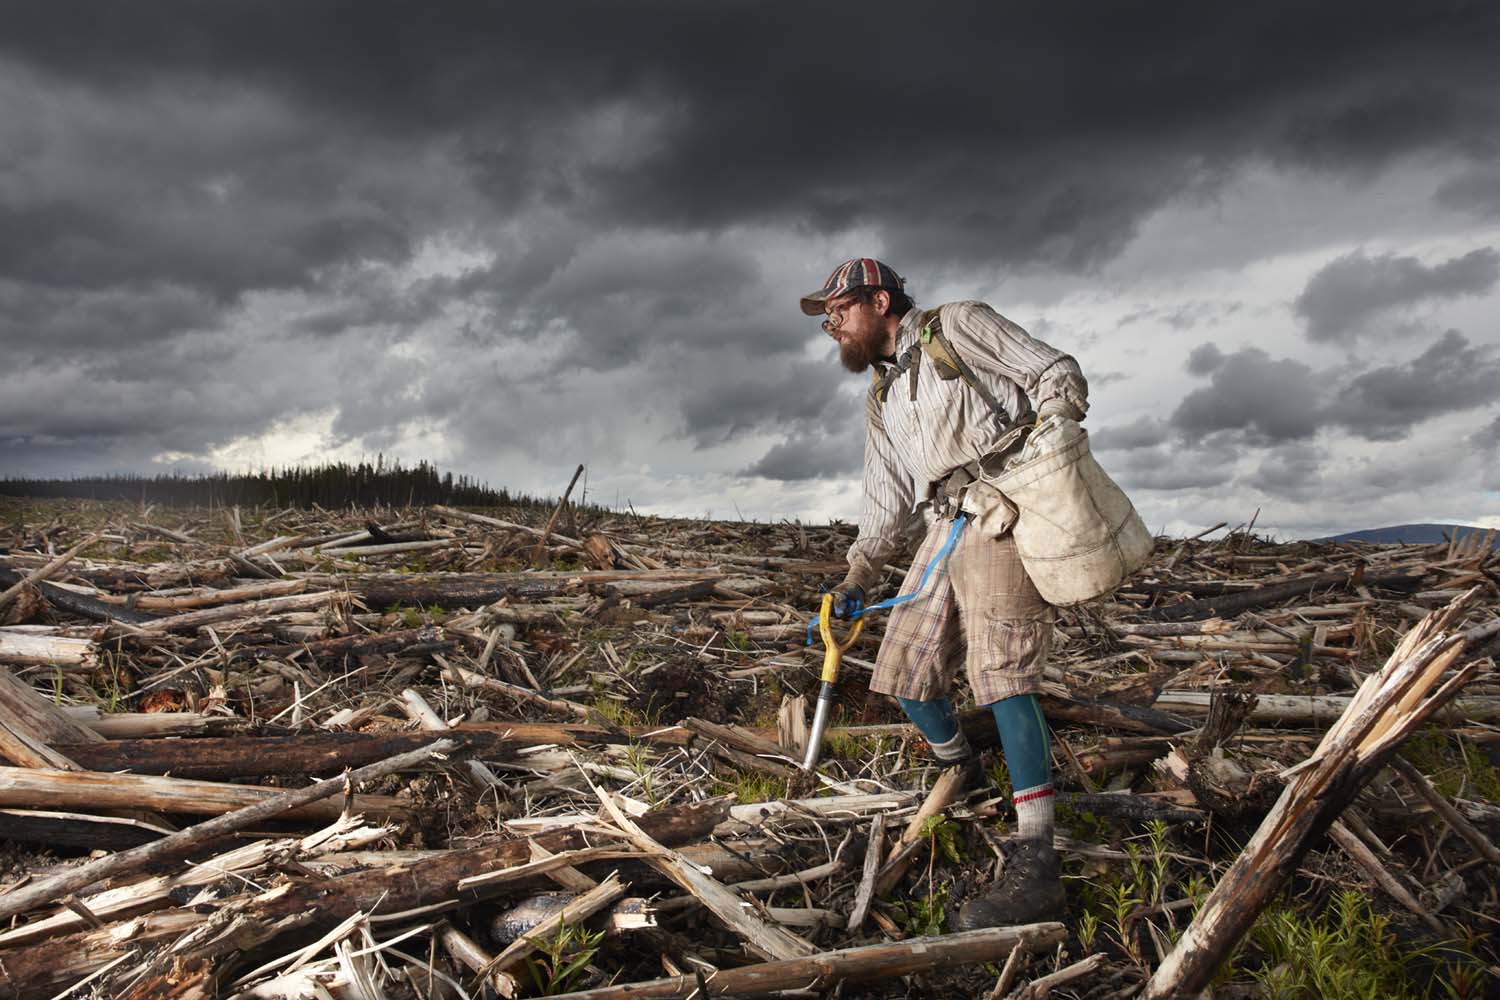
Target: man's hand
[1058,406]
[848,602]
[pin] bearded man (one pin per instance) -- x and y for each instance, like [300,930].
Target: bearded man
[932,430]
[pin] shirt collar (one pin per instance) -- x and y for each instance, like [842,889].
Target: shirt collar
[906,333]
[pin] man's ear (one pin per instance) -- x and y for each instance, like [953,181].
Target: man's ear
[881,300]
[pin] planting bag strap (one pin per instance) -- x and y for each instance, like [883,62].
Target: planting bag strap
[950,364]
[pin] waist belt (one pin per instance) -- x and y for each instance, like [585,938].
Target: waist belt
[947,494]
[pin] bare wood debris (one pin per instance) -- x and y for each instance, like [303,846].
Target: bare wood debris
[435,752]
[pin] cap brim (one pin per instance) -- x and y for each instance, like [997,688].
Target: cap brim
[813,304]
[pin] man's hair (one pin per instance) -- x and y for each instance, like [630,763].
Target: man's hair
[901,303]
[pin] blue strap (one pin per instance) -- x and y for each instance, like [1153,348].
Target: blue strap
[891,602]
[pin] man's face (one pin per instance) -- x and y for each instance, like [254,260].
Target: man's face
[857,326]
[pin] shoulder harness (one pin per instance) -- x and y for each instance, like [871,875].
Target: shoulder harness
[945,362]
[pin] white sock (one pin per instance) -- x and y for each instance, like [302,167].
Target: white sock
[952,751]
[1035,812]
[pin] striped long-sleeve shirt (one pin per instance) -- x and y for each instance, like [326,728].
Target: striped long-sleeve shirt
[912,444]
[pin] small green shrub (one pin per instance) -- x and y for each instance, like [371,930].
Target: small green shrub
[1347,953]
[923,917]
[562,959]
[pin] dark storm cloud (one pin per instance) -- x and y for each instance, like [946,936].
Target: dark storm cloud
[654,114]
[1171,469]
[1204,358]
[1345,294]
[1186,316]
[1270,400]
[623,176]
[1487,438]
[816,454]
[1476,191]
[1293,471]
[37,324]
[716,408]
[1145,432]
[619,299]
[1451,376]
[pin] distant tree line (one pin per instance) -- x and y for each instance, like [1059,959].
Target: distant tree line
[333,485]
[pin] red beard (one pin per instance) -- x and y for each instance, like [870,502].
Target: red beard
[859,351]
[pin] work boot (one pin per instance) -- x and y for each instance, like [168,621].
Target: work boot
[1029,890]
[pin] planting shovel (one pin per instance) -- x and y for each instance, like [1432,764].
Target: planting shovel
[833,655]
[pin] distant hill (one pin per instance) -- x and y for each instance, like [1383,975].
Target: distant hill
[1413,534]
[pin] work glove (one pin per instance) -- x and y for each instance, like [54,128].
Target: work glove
[848,602]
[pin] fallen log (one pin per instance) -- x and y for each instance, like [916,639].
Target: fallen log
[126,725]
[29,787]
[190,620]
[1418,781]
[47,890]
[223,758]
[201,597]
[1039,989]
[1389,706]
[1113,715]
[827,969]
[133,898]
[495,522]
[403,642]
[30,648]
[36,576]
[472,590]
[1316,710]
[1129,805]
[91,604]
[761,936]
[1227,605]
[123,578]
[314,553]
[65,829]
[30,725]
[39,970]
[469,679]
[578,734]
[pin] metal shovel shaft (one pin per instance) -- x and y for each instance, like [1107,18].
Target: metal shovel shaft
[833,654]
[819,726]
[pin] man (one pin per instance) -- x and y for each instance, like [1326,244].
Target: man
[930,430]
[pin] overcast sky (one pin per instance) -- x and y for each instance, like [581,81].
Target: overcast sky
[509,238]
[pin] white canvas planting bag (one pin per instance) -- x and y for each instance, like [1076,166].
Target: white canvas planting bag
[1077,533]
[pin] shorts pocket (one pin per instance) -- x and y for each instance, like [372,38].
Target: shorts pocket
[1017,646]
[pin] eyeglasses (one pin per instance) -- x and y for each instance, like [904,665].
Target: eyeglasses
[836,313]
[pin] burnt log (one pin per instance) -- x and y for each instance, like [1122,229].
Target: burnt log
[221,759]
[1229,604]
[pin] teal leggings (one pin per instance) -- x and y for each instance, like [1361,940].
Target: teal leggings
[1023,733]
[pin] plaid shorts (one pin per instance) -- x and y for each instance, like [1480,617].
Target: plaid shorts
[981,593]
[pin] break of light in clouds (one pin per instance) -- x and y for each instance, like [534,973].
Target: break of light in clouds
[510,240]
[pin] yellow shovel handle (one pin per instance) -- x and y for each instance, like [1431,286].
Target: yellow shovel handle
[833,650]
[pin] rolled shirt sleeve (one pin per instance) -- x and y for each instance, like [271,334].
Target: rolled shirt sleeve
[888,492]
[994,346]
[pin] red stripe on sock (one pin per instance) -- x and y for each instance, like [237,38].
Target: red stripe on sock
[1040,793]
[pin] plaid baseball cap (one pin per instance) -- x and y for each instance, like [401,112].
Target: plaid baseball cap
[848,276]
